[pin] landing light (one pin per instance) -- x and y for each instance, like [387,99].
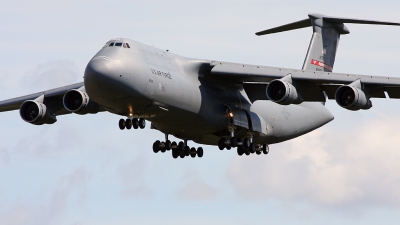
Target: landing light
[231,114]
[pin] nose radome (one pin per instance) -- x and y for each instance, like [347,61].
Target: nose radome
[96,69]
[97,76]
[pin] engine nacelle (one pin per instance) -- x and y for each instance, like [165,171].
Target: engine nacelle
[352,98]
[79,102]
[36,113]
[283,93]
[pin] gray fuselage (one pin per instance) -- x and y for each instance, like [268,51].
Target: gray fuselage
[172,93]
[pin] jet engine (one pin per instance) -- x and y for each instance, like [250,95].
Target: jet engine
[283,93]
[36,113]
[352,98]
[78,102]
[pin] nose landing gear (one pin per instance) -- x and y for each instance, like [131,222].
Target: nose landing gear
[134,122]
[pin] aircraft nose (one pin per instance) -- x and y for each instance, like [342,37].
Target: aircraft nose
[101,74]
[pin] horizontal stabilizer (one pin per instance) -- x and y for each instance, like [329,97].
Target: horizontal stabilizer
[358,21]
[287,27]
[329,19]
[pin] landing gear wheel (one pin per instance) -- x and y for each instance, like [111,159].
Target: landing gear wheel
[182,155]
[234,142]
[181,146]
[168,145]
[240,150]
[135,123]
[247,152]
[246,143]
[221,143]
[228,147]
[121,124]
[174,145]
[128,124]
[193,152]
[187,150]
[252,148]
[163,149]
[174,153]
[258,152]
[265,149]
[199,152]
[156,146]
[142,123]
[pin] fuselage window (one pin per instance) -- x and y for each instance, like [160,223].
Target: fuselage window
[118,44]
[111,44]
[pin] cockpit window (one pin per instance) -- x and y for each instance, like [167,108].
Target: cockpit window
[118,44]
[111,44]
[126,45]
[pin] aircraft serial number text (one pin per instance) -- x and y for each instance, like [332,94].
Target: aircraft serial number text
[161,74]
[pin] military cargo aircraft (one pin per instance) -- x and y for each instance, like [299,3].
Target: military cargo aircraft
[226,104]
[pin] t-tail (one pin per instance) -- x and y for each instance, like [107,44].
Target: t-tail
[325,39]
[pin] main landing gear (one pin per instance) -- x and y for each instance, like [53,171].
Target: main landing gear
[178,150]
[245,146]
[129,123]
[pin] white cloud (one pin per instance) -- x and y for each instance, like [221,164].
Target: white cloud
[26,213]
[344,166]
[51,74]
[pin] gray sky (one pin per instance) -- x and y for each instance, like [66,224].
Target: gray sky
[84,170]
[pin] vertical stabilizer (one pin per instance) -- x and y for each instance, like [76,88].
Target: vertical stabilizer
[324,43]
[325,39]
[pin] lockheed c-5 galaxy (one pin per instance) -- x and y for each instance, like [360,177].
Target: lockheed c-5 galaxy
[213,102]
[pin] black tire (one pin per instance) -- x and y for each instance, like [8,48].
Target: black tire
[181,146]
[187,150]
[246,143]
[128,124]
[240,150]
[247,152]
[258,152]
[156,146]
[135,123]
[174,154]
[265,149]
[121,124]
[182,155]
[228,147]
[193,152]
[234,142]
[168,145]
[174,145]
[163,149]
[142,123]
[252,148]
[221,143]
[199,152]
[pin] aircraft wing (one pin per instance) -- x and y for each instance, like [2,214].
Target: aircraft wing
[310,84]
[52,99]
